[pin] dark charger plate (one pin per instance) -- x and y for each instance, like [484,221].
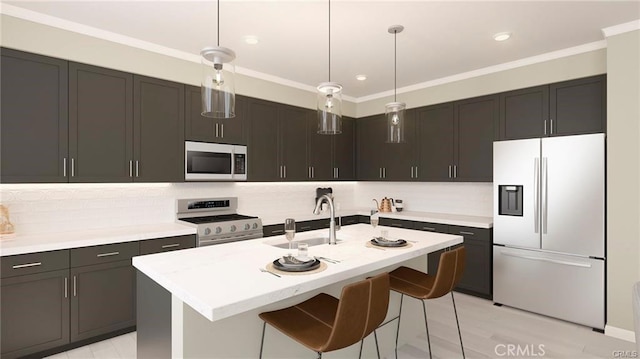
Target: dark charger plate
[302,267]
[387,243]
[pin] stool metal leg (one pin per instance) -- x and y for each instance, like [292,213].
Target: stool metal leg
[361,342]
[264,326]
[319,355]
[375,336]
[426,325]
[457,323]
[398,331]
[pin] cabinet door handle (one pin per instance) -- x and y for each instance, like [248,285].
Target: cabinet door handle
[305,227]
[137,168]
[27,265]
[285,171]
[429,229]
[337,172]
[449,171]
[130,168]
[309,172]
[416,171]
[275,231]
[216,130]
[545,127]
[455,171]
[222,130]
[411,171]
[551,126]
[66,287]
[380,174]
[108,254]
[384,172]
[171,245]
[64,167]
[75,293]
[467,233]
[73,167]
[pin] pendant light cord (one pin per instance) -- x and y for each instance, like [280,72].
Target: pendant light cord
[329,40]
[218,23]
[395,65]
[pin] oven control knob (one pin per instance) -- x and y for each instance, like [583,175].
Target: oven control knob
[247,226]
[232,228]
[218,230]
[207,231]
[255,226]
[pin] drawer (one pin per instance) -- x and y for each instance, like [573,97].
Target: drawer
[398,223]
[471,233]
[347,220]
[273,230]
[33,263]
[104,253]
[167,244]
[431,227]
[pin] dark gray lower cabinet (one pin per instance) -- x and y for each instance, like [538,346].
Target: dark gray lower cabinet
[103,299]
[34,313]
[478,272]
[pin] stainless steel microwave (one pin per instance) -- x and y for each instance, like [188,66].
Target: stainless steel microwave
[214,162]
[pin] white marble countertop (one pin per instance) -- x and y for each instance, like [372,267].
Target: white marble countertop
[21,244]
[224,280]
[442,218]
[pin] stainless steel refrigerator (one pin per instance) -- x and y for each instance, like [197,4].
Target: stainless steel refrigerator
[549,227]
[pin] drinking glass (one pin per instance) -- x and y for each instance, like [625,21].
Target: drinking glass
[303,251]
[290,230]
[374,219]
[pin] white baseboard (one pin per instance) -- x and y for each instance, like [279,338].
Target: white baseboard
[628,335]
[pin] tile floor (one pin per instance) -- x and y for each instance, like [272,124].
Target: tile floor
[487,332]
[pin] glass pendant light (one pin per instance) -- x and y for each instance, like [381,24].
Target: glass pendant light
[329,100]
[394,111]
[218,80]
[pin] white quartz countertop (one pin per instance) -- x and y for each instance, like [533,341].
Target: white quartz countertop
[442,218]
[224,280]
[21,244]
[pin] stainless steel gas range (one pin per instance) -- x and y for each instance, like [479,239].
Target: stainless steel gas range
[217,221]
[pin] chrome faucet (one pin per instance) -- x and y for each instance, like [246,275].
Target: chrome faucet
[332,221]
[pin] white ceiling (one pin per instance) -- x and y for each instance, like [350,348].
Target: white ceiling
[440,38]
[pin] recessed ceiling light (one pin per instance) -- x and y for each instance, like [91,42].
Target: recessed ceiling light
[251,40]
[502,36]
[361,77]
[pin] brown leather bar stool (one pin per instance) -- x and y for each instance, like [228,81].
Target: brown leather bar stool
[419,285]
[324,323]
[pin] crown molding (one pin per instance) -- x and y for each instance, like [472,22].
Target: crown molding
[621,28]
[592,46]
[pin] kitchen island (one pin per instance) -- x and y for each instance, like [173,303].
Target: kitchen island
[204,302]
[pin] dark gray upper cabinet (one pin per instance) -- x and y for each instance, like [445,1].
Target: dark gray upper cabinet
[158,130]
[320,148]
[476,127]
[399,158]
[435,146]
[262,141]
[293,143]
[370,137]
[205,129]
[331,157]
[578,106]
[100,124]
[34,111]
[523,113]
[565,108]
[344,151]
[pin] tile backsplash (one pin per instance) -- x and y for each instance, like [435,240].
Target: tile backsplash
[68,207]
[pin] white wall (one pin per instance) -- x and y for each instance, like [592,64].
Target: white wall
[623,176]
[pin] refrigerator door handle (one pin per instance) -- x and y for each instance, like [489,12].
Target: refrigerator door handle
[545,190]
[541,259]
[536,188]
